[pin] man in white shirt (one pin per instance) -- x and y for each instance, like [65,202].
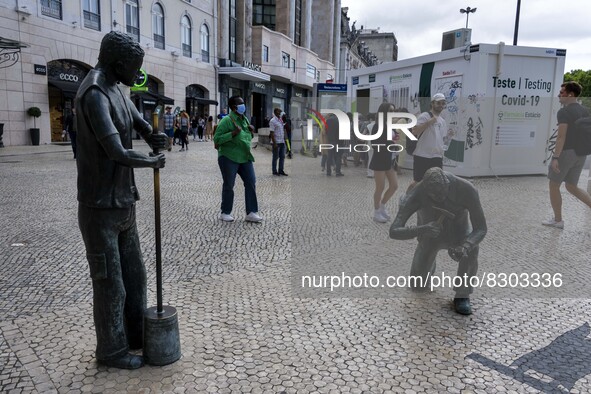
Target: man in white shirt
[431,129]
[277,137]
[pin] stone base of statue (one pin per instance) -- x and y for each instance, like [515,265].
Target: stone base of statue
[162,342]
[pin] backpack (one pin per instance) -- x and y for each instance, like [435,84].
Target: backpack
[583,136]
[582,131]
[412,145]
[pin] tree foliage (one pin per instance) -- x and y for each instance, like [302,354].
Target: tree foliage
[584,79]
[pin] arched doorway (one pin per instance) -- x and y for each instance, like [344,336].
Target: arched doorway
[64,76]
[197,100]
[151,101]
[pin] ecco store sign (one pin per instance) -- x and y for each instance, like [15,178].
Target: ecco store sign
[68,77]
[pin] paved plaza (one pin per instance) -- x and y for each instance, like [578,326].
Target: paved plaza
[246,323]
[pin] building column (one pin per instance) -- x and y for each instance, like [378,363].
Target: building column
[307,23]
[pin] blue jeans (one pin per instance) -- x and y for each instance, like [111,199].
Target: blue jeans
[229,170]
[279,153]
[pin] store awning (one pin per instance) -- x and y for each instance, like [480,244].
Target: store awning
[203,101]
[68,89]
[159,98]
[245,74]
[7,43]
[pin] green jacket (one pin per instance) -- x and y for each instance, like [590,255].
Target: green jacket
[235,148]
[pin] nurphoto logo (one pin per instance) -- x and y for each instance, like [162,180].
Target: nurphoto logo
[392,119]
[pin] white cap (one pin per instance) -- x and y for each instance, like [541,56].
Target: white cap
[438,97]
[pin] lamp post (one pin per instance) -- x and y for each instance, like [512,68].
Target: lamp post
[515,33]
[467,11]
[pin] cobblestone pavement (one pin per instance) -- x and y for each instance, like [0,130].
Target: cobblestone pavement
[246,323]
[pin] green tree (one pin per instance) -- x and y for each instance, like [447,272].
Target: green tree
[583,78]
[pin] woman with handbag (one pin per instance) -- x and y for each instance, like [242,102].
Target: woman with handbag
[184,123]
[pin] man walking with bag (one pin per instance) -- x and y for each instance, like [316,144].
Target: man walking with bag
[566,165]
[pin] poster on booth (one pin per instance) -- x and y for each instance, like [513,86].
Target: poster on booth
[523,112]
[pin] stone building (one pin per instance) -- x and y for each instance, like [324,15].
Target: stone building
[198,54]
[59,44]
[272,52]
[361,47]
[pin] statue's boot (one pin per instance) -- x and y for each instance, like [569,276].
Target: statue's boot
[463,306]
[128,361]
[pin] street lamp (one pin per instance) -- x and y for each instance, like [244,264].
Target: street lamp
[467,11]
[516,31]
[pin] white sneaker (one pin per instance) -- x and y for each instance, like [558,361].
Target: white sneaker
[553,223]
[226,217]
[379,217]
[384,212]
[253,217]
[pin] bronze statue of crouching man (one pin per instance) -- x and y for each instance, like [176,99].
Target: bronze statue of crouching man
[449,217]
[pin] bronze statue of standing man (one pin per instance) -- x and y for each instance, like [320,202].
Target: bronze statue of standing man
[107,194]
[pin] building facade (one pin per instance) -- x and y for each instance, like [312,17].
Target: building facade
[198,54]
[272,52]
[60,42]
[363,47]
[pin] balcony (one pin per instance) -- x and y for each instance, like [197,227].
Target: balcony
[159,41]
[187,50]
[92,21]
[133,31]
[52,8]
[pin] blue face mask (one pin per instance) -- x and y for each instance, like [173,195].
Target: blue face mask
[241,109]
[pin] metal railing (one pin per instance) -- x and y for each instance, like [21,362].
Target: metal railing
[92,20]
[52,8]
[133,32]
[187,50]
[159,41]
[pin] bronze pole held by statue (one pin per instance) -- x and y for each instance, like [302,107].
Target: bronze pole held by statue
[158,237]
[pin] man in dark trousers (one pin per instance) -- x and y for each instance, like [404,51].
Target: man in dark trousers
[440,189]
[71,128]
[334,154]
[107,194]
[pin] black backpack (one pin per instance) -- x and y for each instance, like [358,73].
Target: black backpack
[411,145]
[582,131]
[583,136]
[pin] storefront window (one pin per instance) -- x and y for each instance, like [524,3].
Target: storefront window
[234,92]
[279,103]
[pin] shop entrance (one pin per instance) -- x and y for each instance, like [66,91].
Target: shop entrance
[259,110]
[64,77]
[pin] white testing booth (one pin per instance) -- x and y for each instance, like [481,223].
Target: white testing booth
[501,103]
